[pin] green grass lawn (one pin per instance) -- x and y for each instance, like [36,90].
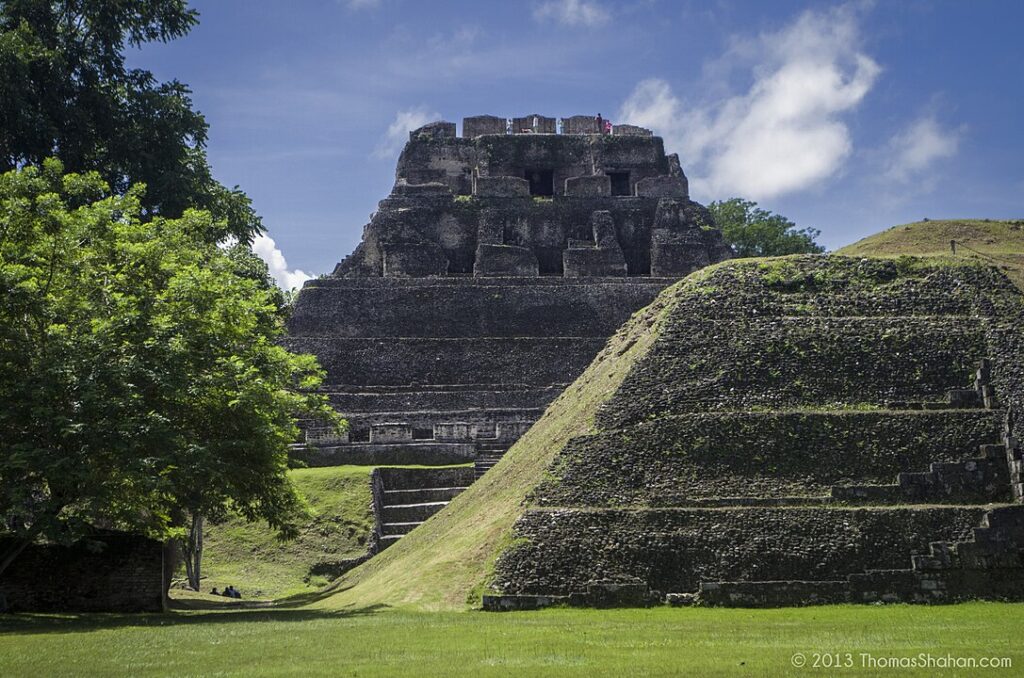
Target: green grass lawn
[559,642]
[249,555]
[1000,243]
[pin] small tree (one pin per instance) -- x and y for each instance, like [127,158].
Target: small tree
[142,383]
[755,232]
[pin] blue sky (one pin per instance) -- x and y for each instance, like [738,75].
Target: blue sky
[845,117]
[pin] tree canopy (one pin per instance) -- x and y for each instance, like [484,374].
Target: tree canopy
[756,232]
[65,91]
[140,370]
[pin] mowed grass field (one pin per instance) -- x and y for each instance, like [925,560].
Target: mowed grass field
[555,642]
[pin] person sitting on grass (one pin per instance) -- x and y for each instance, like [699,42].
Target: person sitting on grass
[214,592]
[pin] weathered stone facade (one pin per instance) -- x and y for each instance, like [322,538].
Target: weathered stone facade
[803,430]
[107,573]
[488,280]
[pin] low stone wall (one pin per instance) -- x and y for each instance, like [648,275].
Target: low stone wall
[678,460]
[441,399]
[468,308]
[114,573]
[402,361]
[383,453]
[672,550]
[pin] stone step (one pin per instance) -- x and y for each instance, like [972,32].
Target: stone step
[389,539]
[755,502]
[405,513]
[772,593]
[875,493]
[993,452]
[394,478]
[421,495]
[399,528]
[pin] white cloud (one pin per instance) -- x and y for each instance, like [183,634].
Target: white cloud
[572,12]
[784,133]
[913,150]
[362,4]
[267,250]
[398,131]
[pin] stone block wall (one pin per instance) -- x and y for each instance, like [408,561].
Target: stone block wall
[404,361]
[592,185]
[110,573]
[672,550]
[478,125]
[533,124]
[687,459]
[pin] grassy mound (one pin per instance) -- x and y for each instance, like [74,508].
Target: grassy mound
[1000,243]
[444,563]
[249,555]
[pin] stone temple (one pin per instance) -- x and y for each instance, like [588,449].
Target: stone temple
[789,431]
[485,283]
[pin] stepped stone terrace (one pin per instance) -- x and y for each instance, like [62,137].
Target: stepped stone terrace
[489,278]
[802,430]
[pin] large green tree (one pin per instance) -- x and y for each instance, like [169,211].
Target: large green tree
[756,232]
[142,382]
[65,91]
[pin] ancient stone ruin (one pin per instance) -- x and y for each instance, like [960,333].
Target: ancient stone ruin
[106,572]
[485,283]
[802,430]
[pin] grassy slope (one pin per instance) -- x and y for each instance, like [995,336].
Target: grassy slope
[249,555]
[996,242]
[444,563]
[557,642]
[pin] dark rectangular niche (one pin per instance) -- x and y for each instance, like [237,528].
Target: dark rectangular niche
[620,183]
[542,181]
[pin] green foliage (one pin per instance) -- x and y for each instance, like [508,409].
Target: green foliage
[68,93]
[756,232]
[139,367]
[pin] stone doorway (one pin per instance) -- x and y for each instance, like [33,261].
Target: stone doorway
[620,183]
[542,182]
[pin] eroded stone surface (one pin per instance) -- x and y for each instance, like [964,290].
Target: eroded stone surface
[489,278]
[803,430]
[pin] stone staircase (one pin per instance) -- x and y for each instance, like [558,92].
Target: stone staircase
[972,480]
[488,453]
[403,498]
[988,565]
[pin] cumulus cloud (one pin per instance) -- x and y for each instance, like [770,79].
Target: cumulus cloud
[267,250]
[915,149]
[785,132]
[572,12]
[398,131]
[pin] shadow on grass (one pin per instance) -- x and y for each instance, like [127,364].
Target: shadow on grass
[78,623]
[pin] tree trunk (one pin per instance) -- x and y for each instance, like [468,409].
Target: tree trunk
[194,552]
